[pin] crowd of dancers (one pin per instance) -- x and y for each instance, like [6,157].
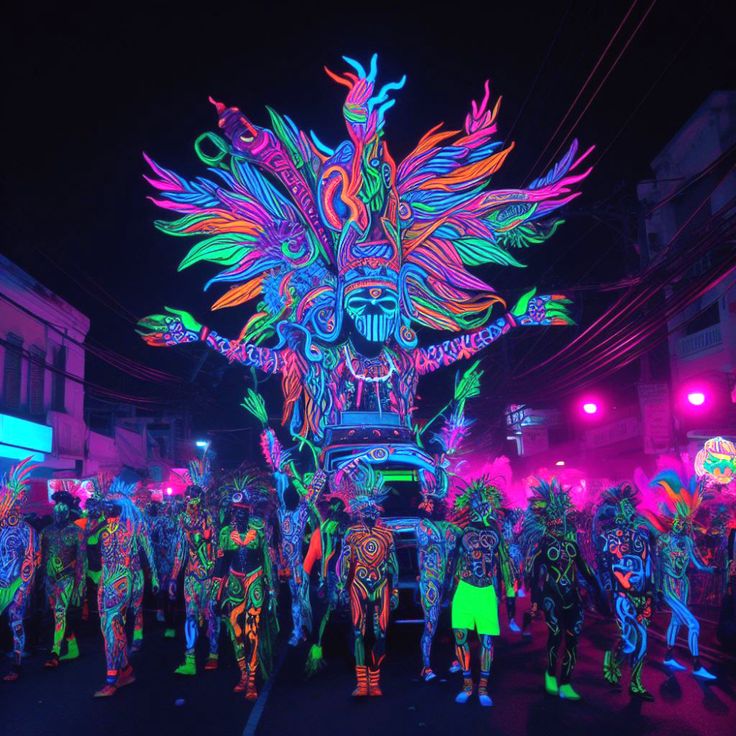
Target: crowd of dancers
[230,542]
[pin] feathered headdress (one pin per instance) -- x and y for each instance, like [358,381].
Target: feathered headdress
[619,504]
[680,503]
[479,491]
[361,489]
[200,472]
[288,216]
[14,485]
[249,488]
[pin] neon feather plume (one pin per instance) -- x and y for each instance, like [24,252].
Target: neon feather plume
[14,485]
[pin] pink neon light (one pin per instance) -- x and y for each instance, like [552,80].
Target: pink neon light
[590,407]
[696,398]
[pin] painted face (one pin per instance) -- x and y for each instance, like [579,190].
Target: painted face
[60,513]
[625,514]
[482,510]
[374,311]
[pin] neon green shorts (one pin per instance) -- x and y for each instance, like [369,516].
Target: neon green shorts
[475,608]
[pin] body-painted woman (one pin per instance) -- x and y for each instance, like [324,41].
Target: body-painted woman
[243,578]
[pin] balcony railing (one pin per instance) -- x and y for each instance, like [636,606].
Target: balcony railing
[699,341]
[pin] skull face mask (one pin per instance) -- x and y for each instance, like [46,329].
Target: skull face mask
[374,311]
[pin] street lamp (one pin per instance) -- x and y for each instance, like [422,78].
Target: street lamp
[560,463]
[202,444]
[696,398]
[590,407]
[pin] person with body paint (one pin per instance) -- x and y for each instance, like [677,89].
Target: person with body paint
[19,558]
[64,558]
[482,558]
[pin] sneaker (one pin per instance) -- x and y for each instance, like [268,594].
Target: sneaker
[514,626]
[673,664]
[642,693]
[427,674]
[464,695]
[211,663]
[169,633]
[567,693]
[72,650]
[106,691]
[455,666]
[550,684]
[126,677]
[52,662]
[485,699]
[703,674]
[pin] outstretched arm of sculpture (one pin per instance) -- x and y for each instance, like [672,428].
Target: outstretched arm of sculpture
[178,327]
[531,310]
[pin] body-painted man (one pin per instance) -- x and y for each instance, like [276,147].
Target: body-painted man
[482,558]
[626,567]
[243,578]
[164,530]
[555,567]
[436,542]
[675,553]
[142,545]
[196,549]
[64,557]
[19,558]
[368,570]
[116,520]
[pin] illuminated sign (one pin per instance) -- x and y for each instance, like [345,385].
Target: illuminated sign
[20,438]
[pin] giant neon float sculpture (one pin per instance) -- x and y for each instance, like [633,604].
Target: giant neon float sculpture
[348,253]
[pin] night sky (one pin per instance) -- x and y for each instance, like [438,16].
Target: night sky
[88,88]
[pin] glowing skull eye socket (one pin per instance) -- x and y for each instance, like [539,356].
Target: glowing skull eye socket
[237,497]
[375,292]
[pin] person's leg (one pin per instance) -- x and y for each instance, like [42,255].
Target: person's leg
[254,606]
[234,607]
[486,660]
[431,599]
[359,615]
[552,613]
[213,629]
[381,609]
[16,614]
[193,599]
[573,627]
[676,620]
[60,595]
[136,607]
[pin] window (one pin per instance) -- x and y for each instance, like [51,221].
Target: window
[12,373]
[708,317]
[36,375]
[58,381]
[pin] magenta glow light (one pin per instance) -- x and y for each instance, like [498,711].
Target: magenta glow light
[590,407]
[696,398]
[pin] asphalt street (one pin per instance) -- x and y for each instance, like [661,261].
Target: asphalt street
[60,702]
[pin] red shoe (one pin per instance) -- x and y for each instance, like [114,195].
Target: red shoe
[126,677]
[374,685]
[211,663]
[251,694]
[361,675]
[106,691]
[52,662]
[242,685]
